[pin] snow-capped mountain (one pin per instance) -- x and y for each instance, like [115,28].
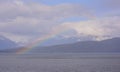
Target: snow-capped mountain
[106,46]
[6,43]
[58,40]
[109,45]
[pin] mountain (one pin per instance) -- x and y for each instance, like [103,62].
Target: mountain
[6,43]
[58,41]
[105,46]
[109,45]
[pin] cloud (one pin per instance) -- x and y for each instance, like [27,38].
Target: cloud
[100,28]
[23,19]
[19,8]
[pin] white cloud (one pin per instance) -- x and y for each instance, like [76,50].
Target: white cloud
[22,22]
[21,19]
[101,28]
[17,8]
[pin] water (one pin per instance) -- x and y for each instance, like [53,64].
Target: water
[60,62]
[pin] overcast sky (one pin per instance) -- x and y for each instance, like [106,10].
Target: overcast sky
[27,20]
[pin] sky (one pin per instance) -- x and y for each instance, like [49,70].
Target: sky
[23,21]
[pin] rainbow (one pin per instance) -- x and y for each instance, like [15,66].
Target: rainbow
[32,45]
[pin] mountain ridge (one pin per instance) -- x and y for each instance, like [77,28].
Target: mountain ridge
[6,43]
[109,45]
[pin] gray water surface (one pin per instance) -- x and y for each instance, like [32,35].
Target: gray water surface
[56,62]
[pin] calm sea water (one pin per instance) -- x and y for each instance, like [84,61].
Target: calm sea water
[60,62]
